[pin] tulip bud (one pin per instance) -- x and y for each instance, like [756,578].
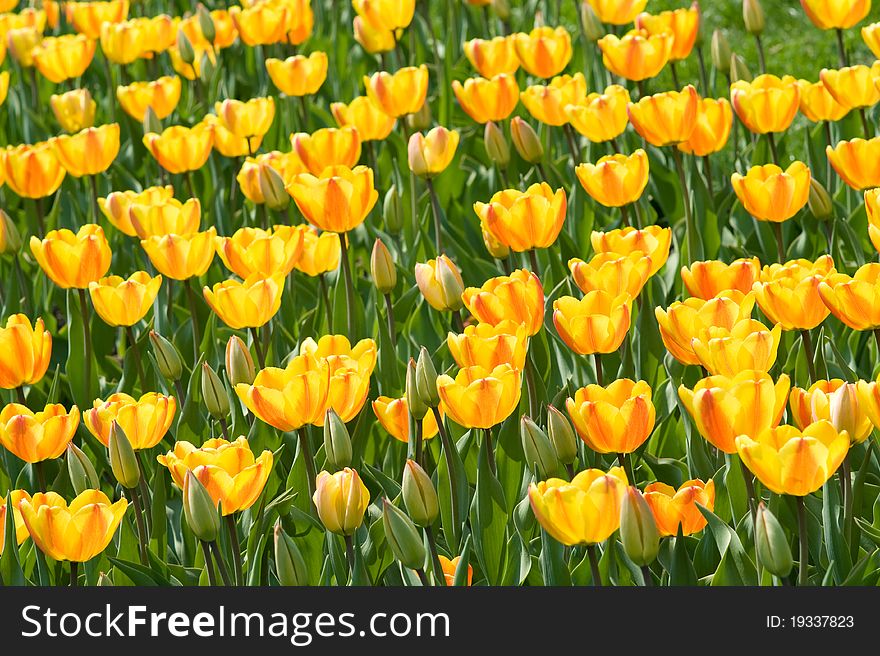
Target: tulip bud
[239,363]
[720,52]
[638,530]
[562,436]
[382,268]
[753,16]
[199,510]
[289,562]
[526,141]
[843,406]
[496,145]
[214,393]
[81,471]
[206,23]
[419,495]
[501,9]
[417,409]
[451,285]
[206,68]
[420,120]
[273,188]
[593,28]
[770,543]
[392,211]
[184,47]
[403,537]
[538,449]
[123,461]
[10,238]
[495,247]
[426,380]
[151,122]
[819,201]
[738,69]
[167,357]
[337,443]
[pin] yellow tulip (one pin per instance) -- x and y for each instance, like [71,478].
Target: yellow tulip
[614,419]
[488,346]
[709,278]
[261,23]
[491,57]
[518,297]
[683,24]
[836,14]
[617,12]
[339,200]
[371,123]
[145,421]
[225,32]
[89,152]
[749,344]
[73,260]
[74,110]
[612,273]
[386,14]
[246,120]
[854,300]
[181,256]
[124,42]
[653,241]
[191,71]
[400,93]
[788,294]
[485,100]
[327,147]
[341,500]
[21,532]
[524,220]
[615,180]
[666,118]
[845,405]
[439,281]
[4,83]
[248,304]
[596,323]
[332,347]
[872,209]
[600,116]
[165,217]
[124,302]
[856,161]
[371,39]
[254,251]
[714,120]
[320,252]
[227,143]
[853,86]
[393,414]
[868,393]
[543,52]
[547,103]
[770,194]
[64,57]
[429,154]
[161,95]
[767,103]
[871,37]
[32,171]
[21,43]
[637,55]
[298,75]
[256,183]
[817,103]
[87,17]
[479,397]
[37,436]
[674,509]
[180,149]
[24,351]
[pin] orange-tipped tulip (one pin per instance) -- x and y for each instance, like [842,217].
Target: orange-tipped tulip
[518,297]
[339,200]
[617,12]
[371,123]
[37,436]
[161,95]
[674,509]
[21,532]
[439,281]
[767,103]
[868,394]
[227,143]
[333,347]
[74,110]
[848,406]
[709,278]
[181,256]
[817,103]
[683,24]
[32,171]
[853,86]
[770,194]
[386,14]
[400,93]
[450,568]
[254,251]
[836,14]
[854,300]
[298,75]
[327,147]
[225,32]
[373,40]
[430,154]
[125,42]
[614,419]
[856,161]
[637,55]
[788,294]
[262,23]
[64,57]
[714,120]
[488,346]
[180,149]
[615,180]
[73,260]
[320,252]
[543,52]
[21,43]
[479,397]
[653,241]
[597,323]
[124,302]
[547,103]
[524,220]
[246,304]
[612,273]
[666,118]
[24,351]
[487,100]
[247,120]
[871,37]
[393,414]
[89,152]
[491,57]
[258,184]
[145,421]
[88,17]
[164,217]
[749,344]
[600,116]
[872,209]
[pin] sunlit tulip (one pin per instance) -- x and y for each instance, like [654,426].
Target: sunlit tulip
[339,200]
[247,120]
[788,294]
[767,103]
[181,256]
[159,34]
[333,347]
[37,436]
[791,461]
[161,95]
[543,52]
[145,421]
[489,346]
[872,209]
[612,273]
[73,260]
[400,93]
[341,500]
[4,83]
[684,320]
[165,217]
[617,12]
[615,180]
[848,406]
[87,17]
[524,220]
[836,14]
[770,194]
[817,103]
[491,57]
[24,351]
[852,86]
[262,23]
[298,75]
[439,281]
[714,120]
[64,57]
[224,29]
[596,323]
[666,118]
[450,568]
[871,37]
[857,162]
[386,14]
[21,532]
[320,252]
[125,42]
[653,241]
[348,389]
[479,397]
[373,40]
[868,393]
[518,297]
[674,509]
[32,171]
[393,414]
[88,152]
[636,55]
[487,100]
[21,43]
[74,110]
[227,143]
[180,149]
[254,251]
[327,147]
[232,475]
[709,278]
[248,304]
[124,302]
[430,154]
[547,103]
[683,24]
[585,511]
[724,407]
[526,140]
[614,419]
[600,116]
[749,344]
[77,532]
[371,123]
[191,70]
[854,300]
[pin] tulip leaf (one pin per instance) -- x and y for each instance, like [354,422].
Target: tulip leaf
[461,570]
[489,520]
[835,545]
[447,490]
[255,565]
[139,574]
[10,567]
[553,567]
[82,390]
[736,568]
[681,568]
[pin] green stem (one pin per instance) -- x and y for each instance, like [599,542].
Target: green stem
[209,566]
[597,361]
[322,283]
[866,128]
[423,577]
[771,141]
[129,333]
[435,211]
[531,389]
[690,229]
[646,575]
[490,451]
[306,449]
[417,444]
[572,144]
[439,576]
[145,492]
[139,520]
[808,348]
[803,539]
[236,549]
[626,463]
[349,285]
[22,287]
[624,215]
[258,347]
[750,489]
[780,244]
[194,320]
[594,565]
[761,61]
[533,261]
[447,452]
[349,554]
[841,49]
[224,574]
[74,570]
[87,341]
[389,316]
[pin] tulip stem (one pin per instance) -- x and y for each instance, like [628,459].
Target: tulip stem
[707,172]
[447,452]
[704,77]
[780,244]
[87,341]
[761,61]
[264,216]
[181,395]
[74,571]
[209,566]
[435,211]
[139,520]
[624,215]
[306,449]
[224,428]
[597,361]
[389,316]
[349,285]
[261,357]
[690,230]
[41,220]
[803,539]
[533,261]
[224,574]
[675,83]
[236,549]
[349,554]
[145,493]
[771,141]
[594,565]
[417,444]
[437,568]
[19,395]
[423,577]
[531,389]
[542,172]
[190,187]
[322,283]
[841,48]
[304,111]
[129,333]
[750,489]
[810,353]
[625,462]
[193,316]
[646,576]
[846,483]
[40,471]
[572,144]
[490,451]
[866,128]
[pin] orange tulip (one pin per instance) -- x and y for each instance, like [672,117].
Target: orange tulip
[87,17]
[614,419]
[708,279]
[489,346]
[666,118]
[770,194]
[393,414]
[73,260]
[853,86]
[836,14]
[371,123]
[24,351]
[600,116]
[327,147]
[88,152]
[653,241]
[683,24]
[674,509]
[547,103]
[21,532]
[518,297]
[714,120]
[298,75]
[837,401]
[767,103]
[124,302]
[857,162]
[32,171]
[145,420]
[37,436]
[854,300]
[491,57]
[788,294]
[180,149]
[165,217]
[612,273]
[254,251]
[161,95]
[181,256]
[615,180]
[617,12]
[817,103]
[749,344]
[487,99]
[597,323]
[74,110]
[543,52]
[401,93]
[637,55]
[64,57]
[339,200]
[524,220]
[478,397]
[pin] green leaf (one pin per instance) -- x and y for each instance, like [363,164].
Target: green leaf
[10,567]
[489,521]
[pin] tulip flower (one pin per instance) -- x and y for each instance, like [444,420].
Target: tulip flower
[181,257]
[400,93]
[714,120]
[25,350]
[370,121]
[393,414]
[600,116]
[145,421]
[872,209]
[254,251]
[164,217]
[4,82]
[179,149]
[769,193]
[637,55]
[614,419]
[767,103]
[430,154]
[89,152]
[372,39]
[749,344]
[124,302]
[585,511]
[547,103]
[77,532]
[848,406]
[853,86]
[338,200]
[21,43]
[160,95]
[518,297]
[817,103]
[615,180]
[543,52]
[526,141]
[320,252]
[491,57]
[487,100]
[612,273]
[341,500]
[836,14]
[854,300]
[262,179]
[327,147]
[871,37]
[685,320]
[597,323]
[21,533]
[247,120]
[64,57]
[490,346]
[724,407]
[298,75]
[74,110]
[653,241]
[125,42]
[708,279]
[225,32]
[788,294]
[88,17]
[617,12]
[248,304]
[117,204]
[388,15]
[450,570]
[73,260]
[232,475]
[332,347]
[200,56]
[666,118]
[440,283]
[674,509]
[32,171]
[683,24]
[525,220]
[263,23]
[37,436]
[479,397]
[856,161]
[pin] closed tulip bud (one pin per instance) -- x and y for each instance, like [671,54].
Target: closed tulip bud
[526,141]
[214,393]
[819,201]
[290,566]
[440,283]
[593,28]
[185,48]
[337,442]
[562,436]
[501,9]
[426,380]
[538,449]
[419,120]
[206,23]
[272,187]
[753,16]
[81,471]
[151,122]
[419,495]
[403,537]
[123,462]
[10,238]
[239,363]
[392,211]
[774,554]
[845,412]
[417,408]
[496,145]
[167,357]
[638,530]
[721,52]
[199,509]
[382,268]
[206,67]
[739,71]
